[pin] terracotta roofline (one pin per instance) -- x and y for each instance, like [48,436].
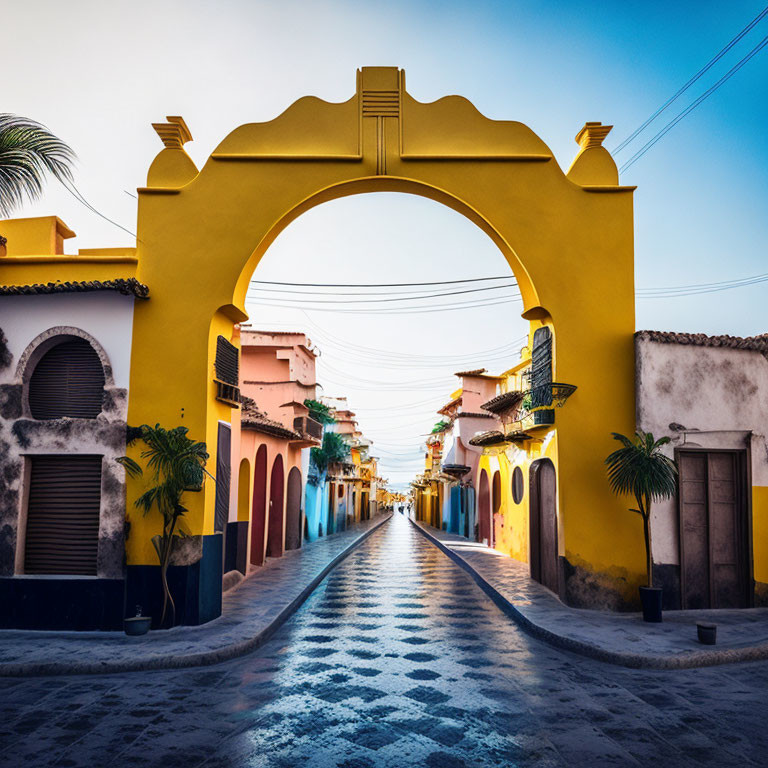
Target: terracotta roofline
[749,343]
[127,286]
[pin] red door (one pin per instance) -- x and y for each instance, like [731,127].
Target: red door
[259,507]
[276,509]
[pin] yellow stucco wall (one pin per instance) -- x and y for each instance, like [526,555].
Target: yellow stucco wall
[760,533]
[569,244]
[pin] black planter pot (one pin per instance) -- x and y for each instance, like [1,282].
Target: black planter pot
[707,632]
[650,597]
[137,625]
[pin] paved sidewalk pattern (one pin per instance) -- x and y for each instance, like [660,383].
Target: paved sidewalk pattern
[618,638]
[251,613]
[397,660]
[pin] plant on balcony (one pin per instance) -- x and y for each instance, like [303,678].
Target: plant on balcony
[441,426]
[320,411]
[334,450]
[176,464]
[641,469]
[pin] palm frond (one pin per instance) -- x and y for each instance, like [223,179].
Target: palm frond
[28,153]
[640,468]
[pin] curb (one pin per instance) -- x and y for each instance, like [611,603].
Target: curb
[207,658]
[684,660]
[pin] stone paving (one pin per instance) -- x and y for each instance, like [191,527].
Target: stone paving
[623,638]
[398,659]
[250,612]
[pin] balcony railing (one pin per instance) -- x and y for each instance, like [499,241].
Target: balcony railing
[308,427]
[227,393]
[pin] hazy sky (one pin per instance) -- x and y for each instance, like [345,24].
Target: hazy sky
[98,73]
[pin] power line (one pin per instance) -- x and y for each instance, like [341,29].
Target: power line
[403,293]
[696,77]
[398,311]
[382,285]
[672,123]
[389,299]
[75,192]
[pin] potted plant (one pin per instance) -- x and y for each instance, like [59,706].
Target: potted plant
[640,468]
[177,465]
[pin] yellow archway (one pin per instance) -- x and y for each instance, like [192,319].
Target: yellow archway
[567,237]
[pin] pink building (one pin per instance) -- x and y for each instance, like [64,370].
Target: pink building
[270,447]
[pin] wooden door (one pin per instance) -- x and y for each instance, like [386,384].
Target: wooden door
[293,516]
[259,507]
[543,525]
[275,529]
[484,509]
[713,530]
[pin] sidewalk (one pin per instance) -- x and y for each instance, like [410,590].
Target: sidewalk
[251,613]
[617,638]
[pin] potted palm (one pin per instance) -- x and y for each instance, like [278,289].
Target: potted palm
[641,469]
[177,465]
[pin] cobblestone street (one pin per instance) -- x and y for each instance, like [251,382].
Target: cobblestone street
[397,659]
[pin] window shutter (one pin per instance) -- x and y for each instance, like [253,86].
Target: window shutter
[227,367]
[541,375]
[67,381]
[63,515]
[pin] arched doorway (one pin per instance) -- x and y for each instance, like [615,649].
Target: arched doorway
[259,515]
[543,525]
[276,509]
[498,174]
[496,496]
[484,509]
[293,512]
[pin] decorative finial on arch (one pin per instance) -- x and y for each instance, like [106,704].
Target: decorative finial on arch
[175,133]
[592,135]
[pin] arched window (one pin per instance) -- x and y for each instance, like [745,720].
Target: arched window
[68,380]
[517,485]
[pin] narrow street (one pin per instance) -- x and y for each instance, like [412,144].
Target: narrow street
[397,659]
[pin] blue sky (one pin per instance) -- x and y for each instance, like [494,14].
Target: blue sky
[99,73]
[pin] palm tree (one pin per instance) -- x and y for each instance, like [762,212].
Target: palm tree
[641,469]
[334,450]
[28,153]
[177,465]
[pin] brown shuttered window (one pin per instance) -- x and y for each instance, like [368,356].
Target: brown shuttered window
[67,381]
[63,515]
[226,363]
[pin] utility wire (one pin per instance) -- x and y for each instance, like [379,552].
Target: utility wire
[75,192]
[383,285]
[389,299]
[672,123]
[403,293]
[696,77]
[398,311]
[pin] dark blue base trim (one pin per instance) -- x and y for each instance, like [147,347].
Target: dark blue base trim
[196,588]
[61,603]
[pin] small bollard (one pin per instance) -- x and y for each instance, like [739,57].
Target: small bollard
[707,632]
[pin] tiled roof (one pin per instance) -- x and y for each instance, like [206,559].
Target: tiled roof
[752,343]
[475,372]
[494,437]
[503,402]
[473,415]
[127,286]
[253,418]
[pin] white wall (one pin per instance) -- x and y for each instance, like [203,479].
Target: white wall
[105,315]
[717,395]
